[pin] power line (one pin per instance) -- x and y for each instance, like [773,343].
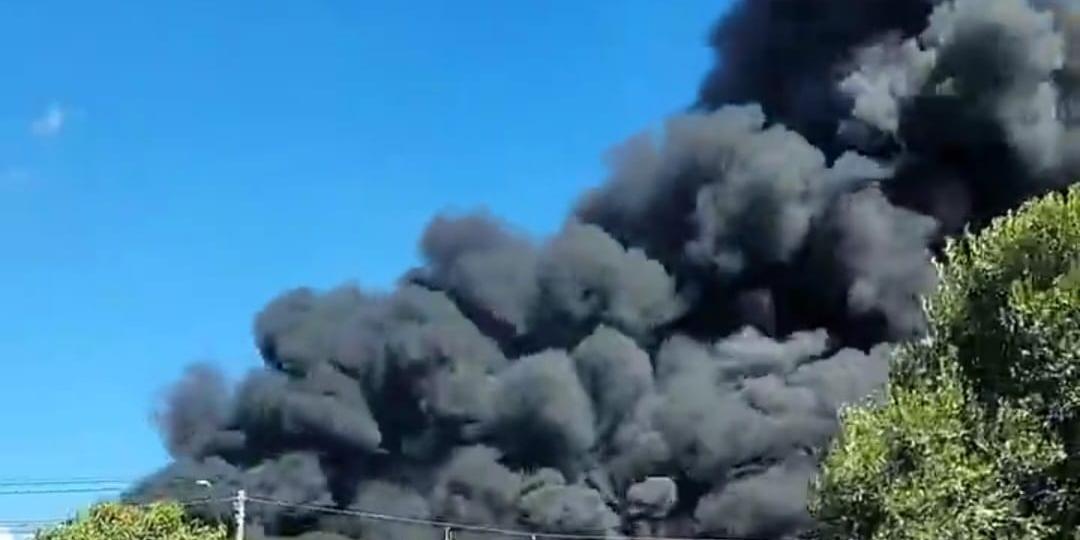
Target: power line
[23,533]
[195,502]
[62,482]
[23,526]
[65,479]
[21,523]
[451,526]
[59,491]
[30,526]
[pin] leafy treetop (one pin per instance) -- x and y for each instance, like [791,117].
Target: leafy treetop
[978,436]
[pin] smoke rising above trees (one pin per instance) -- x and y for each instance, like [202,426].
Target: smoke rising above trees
[672,360]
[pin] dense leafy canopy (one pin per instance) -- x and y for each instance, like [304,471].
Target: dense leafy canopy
[122,522]
[979,432]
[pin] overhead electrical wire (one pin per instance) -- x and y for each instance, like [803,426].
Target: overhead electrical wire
[5,482]
[451,527]
[15,526]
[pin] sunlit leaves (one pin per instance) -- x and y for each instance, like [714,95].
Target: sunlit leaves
[979,435]
[122,522]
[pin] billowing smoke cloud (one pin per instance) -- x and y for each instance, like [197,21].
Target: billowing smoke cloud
[672,361]
[194,410]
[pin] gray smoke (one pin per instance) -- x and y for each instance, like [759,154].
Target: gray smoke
[194,410]
[653,497]
[384,498]
[568,509]
[673,359]
[541,414]
[767,504]
[475,489]
[616,373]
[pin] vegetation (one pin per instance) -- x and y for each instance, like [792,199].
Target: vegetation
[979,433]
[122,522]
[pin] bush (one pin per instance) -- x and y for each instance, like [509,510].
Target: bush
[122,522]
[979,436]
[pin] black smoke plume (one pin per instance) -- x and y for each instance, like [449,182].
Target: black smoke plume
[673,360]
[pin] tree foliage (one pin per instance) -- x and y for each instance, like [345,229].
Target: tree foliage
[979,434]
[123,522]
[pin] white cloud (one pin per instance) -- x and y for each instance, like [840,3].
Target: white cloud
[49,124]
[6,534]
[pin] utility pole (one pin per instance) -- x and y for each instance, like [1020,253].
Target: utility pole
[240,506]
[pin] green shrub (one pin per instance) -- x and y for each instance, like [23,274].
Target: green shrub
[978,436]
[121,522]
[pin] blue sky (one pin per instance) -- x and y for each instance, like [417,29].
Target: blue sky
[167,167]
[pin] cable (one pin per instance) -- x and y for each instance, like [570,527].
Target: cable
[472,528]
[8,524]
[399,519]
[194,502]
[59,491]
[32,525]
[61,482]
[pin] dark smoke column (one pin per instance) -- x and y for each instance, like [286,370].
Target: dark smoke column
[673,360]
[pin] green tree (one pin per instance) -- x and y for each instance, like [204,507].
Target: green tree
[122,522]
[979,432]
